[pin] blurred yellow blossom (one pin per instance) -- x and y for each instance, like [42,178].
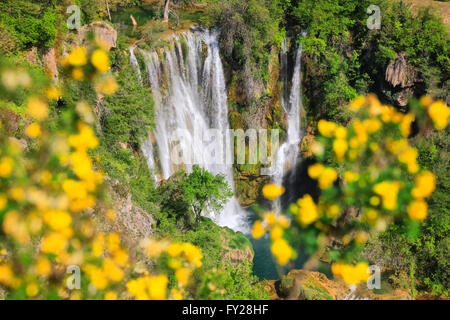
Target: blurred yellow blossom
[272,191]
[425,184]
[100,60]
[33,130]
[417,210]
[439,112]
[308,211]
[282,251]
[258,230]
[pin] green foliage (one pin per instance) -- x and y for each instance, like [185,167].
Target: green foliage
[185,197]
[128,113]
[204,191]
[219,278]
[248,29]
[425,259]
[30,23]
[345,58]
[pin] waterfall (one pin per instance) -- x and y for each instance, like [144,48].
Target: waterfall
[134,62]
[287,155]
[189,91]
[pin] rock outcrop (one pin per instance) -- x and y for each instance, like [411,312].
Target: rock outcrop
[402,77]
[312,285]
[102,31]
[237,247]
[132,222]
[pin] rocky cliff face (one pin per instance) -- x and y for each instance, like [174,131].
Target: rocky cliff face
[132,222]
[102,31]
[312,285]
[401,78]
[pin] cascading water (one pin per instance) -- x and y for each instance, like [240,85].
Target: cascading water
[287,155]
[134,62]
[190,99]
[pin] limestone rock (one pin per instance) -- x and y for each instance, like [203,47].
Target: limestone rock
[102,31]
[50,62]
[312,285]
[237,247]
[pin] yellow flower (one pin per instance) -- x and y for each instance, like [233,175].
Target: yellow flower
[340,147]
[258,230]
[270,218]
[276,233]
[98,245]
[333,210]
[174,264]
[58,220]
[193,254]
[326,128]
[43,266]
[315,170]
[341,132]
[176,294]
[100,60]
[54,242]
[3,201]
[417,210]
[111,295]
[37,108]
[111,214]
[374,146]
[361,131]
[425,101]
[408,156]
[374,201]
[107,86]
[308,212]
[85,139]
[372,214]
[327,178]
[372,125]
[158,287]
[17,193]
[33,130]
[357,103]
[374,105]
[154,248]
[32,289]
[53,93]
[77,74]
[439,112]
[112,271]
[283,221]
[97,277]
[6,274]
[425,185]
[272,191]
[182,276]
[352,275]
[282,251]
[351,176]
[6,166]
[175,249]
[405,124]
[388,190]
[361,237]
[78,57]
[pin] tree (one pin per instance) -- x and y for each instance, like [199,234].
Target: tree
[204,191]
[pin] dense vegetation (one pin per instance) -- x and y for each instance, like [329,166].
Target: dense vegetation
[342,60]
